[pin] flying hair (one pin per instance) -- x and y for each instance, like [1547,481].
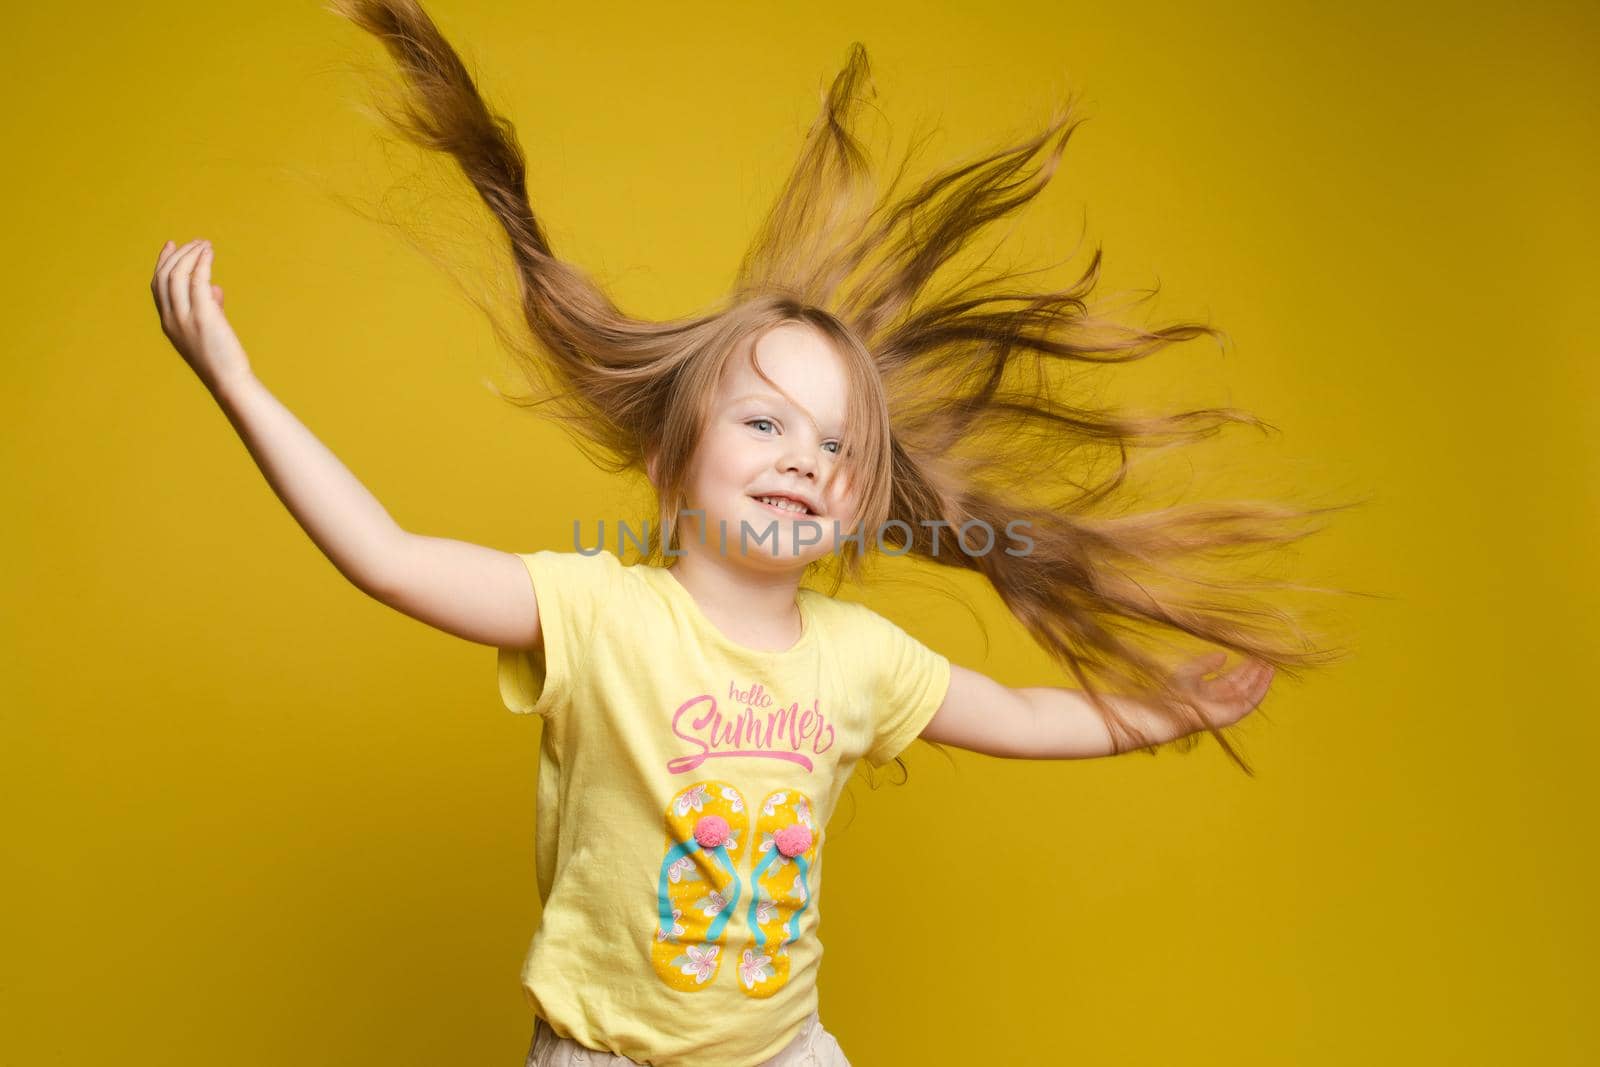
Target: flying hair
[967,396]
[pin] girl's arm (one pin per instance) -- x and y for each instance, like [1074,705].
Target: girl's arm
[1046,722]
[478,593]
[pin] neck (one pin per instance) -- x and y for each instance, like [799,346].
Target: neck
[729,591]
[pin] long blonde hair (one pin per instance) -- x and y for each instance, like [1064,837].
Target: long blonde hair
[955,414]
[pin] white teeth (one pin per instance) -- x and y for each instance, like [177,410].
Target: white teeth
[786,505]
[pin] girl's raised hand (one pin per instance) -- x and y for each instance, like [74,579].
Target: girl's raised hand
[1229,697]
[191,313]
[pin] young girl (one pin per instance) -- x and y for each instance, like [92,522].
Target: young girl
[702,708]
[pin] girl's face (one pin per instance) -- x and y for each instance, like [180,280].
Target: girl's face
[759,442]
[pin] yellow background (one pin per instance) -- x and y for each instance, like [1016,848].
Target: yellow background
[255,817]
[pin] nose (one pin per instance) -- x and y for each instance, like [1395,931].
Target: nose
[800,462]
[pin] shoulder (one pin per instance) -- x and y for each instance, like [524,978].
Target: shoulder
[830,608]
[574,562]
[879,643]
[850,622]
[573,575]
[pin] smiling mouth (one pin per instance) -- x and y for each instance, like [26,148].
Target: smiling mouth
[802,512]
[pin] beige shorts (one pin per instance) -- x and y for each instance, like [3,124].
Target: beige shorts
[812,1047]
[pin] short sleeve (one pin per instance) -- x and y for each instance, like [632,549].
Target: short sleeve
[910,683]
[572,591]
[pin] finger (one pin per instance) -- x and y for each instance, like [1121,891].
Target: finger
[1197,668]
[170,256]
[164,278]
[200,280]
[158,278]
[178,280]
[1252,678]
[216,291]
[1258,685]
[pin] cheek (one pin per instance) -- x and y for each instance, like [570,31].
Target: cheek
[841,489]
[714,461]
[723,472]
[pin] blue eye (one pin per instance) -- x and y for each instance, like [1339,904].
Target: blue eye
[835,446]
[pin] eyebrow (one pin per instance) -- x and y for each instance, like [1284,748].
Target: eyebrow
[771,398]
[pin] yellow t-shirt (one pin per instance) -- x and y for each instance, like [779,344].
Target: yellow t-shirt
[685,784]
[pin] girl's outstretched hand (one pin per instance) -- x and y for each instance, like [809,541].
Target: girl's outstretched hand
[191,313]
[1229,697]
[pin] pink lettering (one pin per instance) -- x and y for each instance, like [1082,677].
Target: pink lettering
[755,697]
[778,734]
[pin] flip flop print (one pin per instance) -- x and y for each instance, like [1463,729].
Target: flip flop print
[786,848]
[699,885]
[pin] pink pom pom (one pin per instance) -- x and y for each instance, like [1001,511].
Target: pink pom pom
[711,831]
[792,840]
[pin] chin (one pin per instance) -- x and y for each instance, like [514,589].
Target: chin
[764,552]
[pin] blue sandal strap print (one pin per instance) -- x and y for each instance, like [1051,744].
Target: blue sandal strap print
[779,894]
[699,888]
[664,898]
[804,883]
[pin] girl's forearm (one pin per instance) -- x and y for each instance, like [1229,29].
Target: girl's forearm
[1063,724]
[344,520]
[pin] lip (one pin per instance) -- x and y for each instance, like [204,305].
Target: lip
[780,511]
